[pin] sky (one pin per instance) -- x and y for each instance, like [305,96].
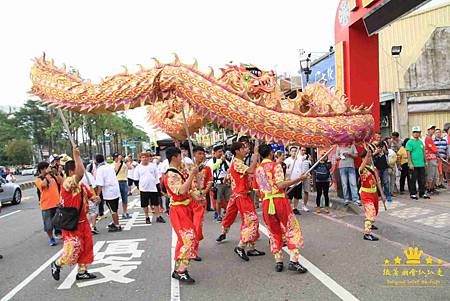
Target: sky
[98,37]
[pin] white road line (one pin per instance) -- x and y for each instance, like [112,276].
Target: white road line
[174,284]
[321,276]
[27,280]
[8,214]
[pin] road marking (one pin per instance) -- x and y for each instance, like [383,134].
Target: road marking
[8,214]
[73,274]
[321,276]
[26,198]
[108,265]
[410,212]
[174,284]
[30,278]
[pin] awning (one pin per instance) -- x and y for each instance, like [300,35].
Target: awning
[387,96]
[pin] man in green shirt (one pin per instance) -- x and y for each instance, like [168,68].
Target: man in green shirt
[415,149]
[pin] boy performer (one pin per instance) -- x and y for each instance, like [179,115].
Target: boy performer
[181,213]
[240,195]
[199,189]
[370,181]
[277,211]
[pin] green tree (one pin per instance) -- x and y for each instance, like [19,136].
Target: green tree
[19,151]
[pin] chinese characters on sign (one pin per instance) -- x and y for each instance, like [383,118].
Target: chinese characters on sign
[412,272]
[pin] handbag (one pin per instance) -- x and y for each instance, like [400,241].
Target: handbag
[67,218]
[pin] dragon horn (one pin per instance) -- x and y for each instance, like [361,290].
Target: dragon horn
[157,63]
[125,69]
[195,64]
[141,68]
[211,73]
[177,59]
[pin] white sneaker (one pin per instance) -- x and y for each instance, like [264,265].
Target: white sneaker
[306,209]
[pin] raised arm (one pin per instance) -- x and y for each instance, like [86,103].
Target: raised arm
[79,167]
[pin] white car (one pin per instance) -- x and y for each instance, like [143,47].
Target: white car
[29,171]
[10,192]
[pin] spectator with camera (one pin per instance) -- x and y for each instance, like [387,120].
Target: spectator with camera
[48,184]
[380,154]
[220,165]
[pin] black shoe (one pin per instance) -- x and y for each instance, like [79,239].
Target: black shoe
[414,197]
[160,219]
[279,267]
[255,253]
[426,196]
[197,258]
[115,229]
[297,267]
[219,219]
[370,237]
[1,256]
[85,276]
[373,227]
[241,253]
[95,231]
[56,269]
[111,225]
[148,221]
[221,237]
[296,212]
[183,277]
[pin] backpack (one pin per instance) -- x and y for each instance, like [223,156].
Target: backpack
[322,172]
[163,185]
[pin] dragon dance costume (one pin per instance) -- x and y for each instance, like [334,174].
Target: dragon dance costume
[277,211]
[198,196]
[78,245]
[241,201]
[182,221]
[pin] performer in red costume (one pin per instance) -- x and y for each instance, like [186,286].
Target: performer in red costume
[277,211]
[78,246]
[181,213]
[199,189]
[240,195]
[368,191]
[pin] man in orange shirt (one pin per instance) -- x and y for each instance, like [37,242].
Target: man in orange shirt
[48,183]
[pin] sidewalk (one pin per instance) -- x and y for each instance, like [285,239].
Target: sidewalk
[430,215]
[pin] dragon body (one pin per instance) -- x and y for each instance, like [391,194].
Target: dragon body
[243,98]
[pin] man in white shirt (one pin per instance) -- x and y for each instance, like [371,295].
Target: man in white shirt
[293,171]
[107,184]
[148,176]
[10,177]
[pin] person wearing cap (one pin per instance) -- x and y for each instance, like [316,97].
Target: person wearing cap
[107,184]
[147,175]
[121,173]
[431,156]
[415,149]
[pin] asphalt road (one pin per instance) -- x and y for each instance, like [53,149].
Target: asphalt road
[136,264]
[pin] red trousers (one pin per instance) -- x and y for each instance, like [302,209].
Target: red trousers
[78,245]
[249,220]
[199,213]
[182,220]
[283,222]
[370,203]
[230,215]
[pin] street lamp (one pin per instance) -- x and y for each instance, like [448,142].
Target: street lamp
[395,52]
[305,67]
